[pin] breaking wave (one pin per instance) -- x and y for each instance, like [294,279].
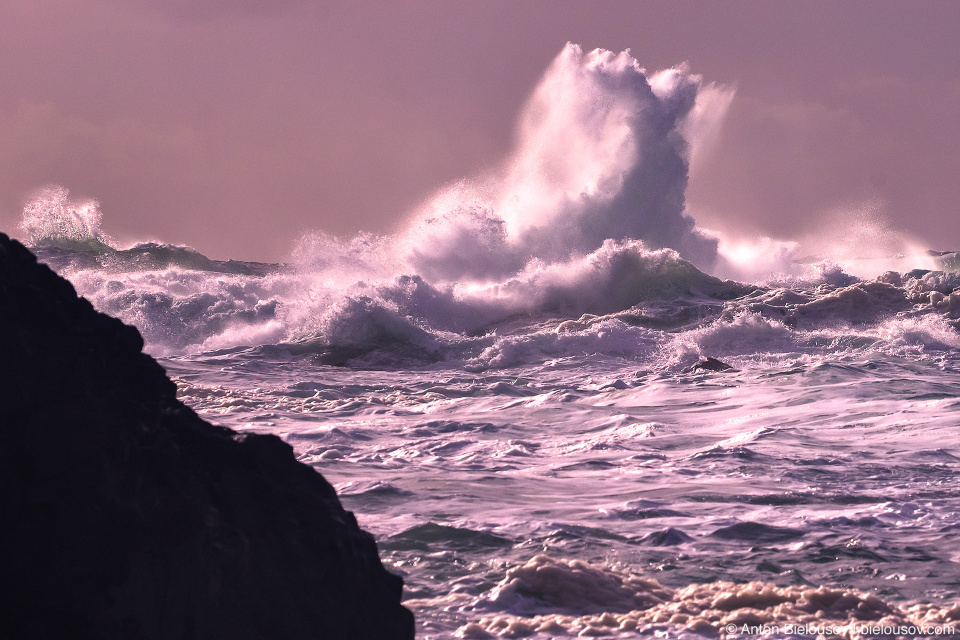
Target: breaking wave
[580,241]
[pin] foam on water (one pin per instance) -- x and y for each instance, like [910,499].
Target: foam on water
[578,599]
[819,459]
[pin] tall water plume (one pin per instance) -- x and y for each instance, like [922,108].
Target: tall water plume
[601,154]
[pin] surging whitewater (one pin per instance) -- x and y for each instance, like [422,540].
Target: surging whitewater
[512,391]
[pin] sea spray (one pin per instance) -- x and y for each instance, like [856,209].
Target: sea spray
[600,155]
[586,215]
[51,218]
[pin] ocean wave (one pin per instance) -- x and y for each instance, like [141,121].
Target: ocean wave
[583,228]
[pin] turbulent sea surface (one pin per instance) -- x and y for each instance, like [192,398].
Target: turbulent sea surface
[513,395]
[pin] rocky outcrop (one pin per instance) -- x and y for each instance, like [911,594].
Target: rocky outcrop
[124,515]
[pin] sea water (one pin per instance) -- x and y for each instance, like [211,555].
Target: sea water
[511,395]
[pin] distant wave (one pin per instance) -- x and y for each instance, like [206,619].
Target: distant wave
[52,219]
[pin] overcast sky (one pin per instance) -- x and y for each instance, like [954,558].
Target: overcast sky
[236,125]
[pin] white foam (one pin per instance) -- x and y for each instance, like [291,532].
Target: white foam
[573,598]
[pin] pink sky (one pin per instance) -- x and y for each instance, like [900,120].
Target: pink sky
[235,126]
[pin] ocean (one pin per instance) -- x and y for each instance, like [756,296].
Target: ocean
[563,408]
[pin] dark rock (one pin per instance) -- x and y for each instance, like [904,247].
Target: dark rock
[124,515]
[711,364]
